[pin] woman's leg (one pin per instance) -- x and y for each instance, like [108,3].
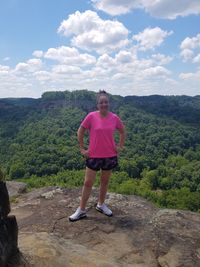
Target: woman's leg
[104,180]
[87,187]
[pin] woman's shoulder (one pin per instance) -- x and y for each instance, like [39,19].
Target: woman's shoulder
[95,113]
[114,114]
[90,113]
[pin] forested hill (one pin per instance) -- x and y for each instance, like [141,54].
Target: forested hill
[161,160]
[182,108]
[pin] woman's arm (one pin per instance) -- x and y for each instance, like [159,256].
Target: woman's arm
[122,137]
[80,136]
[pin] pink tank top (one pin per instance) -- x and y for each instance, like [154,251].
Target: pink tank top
[101,131]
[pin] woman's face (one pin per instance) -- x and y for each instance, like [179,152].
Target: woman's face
[103,103]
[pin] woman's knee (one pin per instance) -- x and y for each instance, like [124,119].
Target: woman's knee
[105,176]
[88,183]
[89,177]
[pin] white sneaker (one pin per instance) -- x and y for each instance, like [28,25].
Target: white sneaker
[104,209]
[78,214]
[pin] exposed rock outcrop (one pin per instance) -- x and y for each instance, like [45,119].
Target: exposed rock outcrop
[138,235]
[16,188]
[10,255]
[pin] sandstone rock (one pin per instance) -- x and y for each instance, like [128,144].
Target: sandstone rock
[138,235]
[16,188]
[50,194]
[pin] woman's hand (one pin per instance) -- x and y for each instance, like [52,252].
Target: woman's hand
[84,152]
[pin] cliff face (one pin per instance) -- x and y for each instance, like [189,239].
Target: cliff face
[139,234]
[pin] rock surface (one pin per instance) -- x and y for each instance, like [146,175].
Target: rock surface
[138,235]
[15,188]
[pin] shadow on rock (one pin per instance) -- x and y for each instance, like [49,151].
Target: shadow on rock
[10,256]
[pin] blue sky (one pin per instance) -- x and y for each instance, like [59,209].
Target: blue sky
[134,47]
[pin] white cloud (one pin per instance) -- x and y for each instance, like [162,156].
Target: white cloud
[4,69]
[118,7]
[69,55]
[191,43]
[126,67]
[12,85]
[119,72]
[150,38]
[189,47]
[124,57]
[92,33]
[186,54]
[66,70]
[37,53]
[42,75]
[156,71]
[186,76]
[196,59]
[161,59]
[170,9]
[190,75]
[167,9]
[105,61]
[124,72]
[31,65]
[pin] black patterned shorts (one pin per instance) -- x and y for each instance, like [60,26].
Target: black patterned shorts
[102,163]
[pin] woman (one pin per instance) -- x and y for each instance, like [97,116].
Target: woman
[101,154]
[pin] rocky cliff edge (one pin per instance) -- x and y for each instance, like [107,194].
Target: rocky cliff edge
[138,235]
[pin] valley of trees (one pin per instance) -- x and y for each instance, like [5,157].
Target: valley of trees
[161,160]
